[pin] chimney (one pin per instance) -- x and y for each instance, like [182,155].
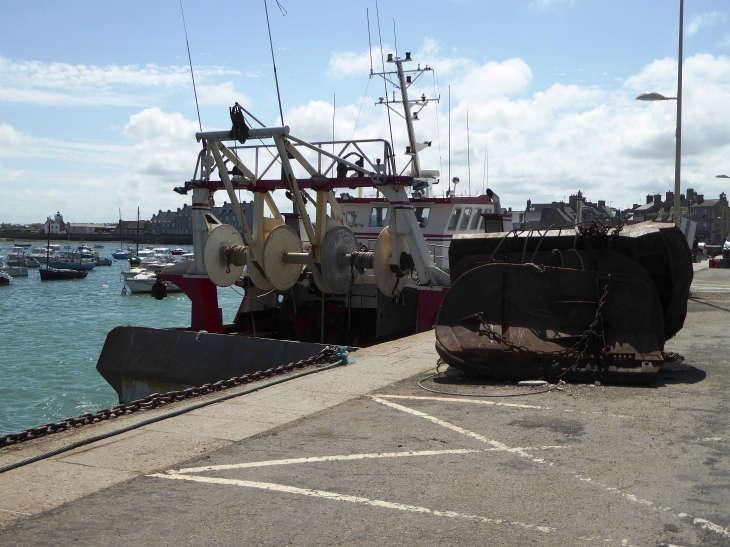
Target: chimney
[601,203]
[649,199]
[670,197]
[657,199]
[691,194]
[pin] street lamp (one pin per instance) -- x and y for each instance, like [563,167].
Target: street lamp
[722,177]
[678,136]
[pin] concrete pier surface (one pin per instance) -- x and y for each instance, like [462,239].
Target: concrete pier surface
[361,455]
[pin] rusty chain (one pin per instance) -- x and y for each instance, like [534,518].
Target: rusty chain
[596,235]
[590,334]
[157,399]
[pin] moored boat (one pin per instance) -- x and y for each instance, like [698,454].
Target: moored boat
[5,279]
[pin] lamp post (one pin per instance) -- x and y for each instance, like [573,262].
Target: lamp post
[678,135]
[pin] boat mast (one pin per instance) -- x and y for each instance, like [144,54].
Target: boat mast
[405,80]
[416,164]
[137,231]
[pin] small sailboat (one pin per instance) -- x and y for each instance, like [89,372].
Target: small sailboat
[121,253]
[56,274]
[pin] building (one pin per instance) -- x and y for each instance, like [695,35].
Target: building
[55,225]
[181,221]
[77,228]
[711,215]
[560,214]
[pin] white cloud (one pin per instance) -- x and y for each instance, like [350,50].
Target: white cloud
[542,144]
[707,19]
[35,82]
[224,94]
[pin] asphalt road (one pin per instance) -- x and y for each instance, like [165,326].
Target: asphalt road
[581,465]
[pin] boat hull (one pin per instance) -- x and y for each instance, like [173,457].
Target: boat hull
[138,361]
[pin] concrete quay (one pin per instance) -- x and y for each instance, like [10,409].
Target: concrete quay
[360,455]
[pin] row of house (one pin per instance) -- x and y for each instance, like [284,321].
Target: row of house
[559,213]
[179,222]
[711,215]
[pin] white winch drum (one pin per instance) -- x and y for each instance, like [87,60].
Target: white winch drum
[282,239]
[254,274]
[219,271]
[336,269]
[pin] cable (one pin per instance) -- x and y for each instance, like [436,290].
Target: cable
[385,82]
[172,414]
[271,43]
[200,124]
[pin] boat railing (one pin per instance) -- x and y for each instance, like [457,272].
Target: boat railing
[375,155]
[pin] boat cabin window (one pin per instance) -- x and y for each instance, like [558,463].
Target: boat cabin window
[454,220]
[378,216]
[422,214]
[465,220]
[477,216]
[350,218]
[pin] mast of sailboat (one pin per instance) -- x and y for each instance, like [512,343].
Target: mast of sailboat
[48,245]
[137,231]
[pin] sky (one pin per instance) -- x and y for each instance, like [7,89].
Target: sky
[98,116]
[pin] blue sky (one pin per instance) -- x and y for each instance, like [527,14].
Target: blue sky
[97,110]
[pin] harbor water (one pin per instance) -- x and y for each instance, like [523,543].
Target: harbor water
[52,332]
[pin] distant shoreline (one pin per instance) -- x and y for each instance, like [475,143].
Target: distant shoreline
[146,239]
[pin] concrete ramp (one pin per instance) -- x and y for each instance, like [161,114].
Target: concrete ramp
[139,361]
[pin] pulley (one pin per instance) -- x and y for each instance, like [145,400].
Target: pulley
[222,255]
[282,240]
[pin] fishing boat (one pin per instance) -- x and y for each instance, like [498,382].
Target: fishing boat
[51,273]
[71,260]
[13,271]
[17,257]
[42,252]
[374,260]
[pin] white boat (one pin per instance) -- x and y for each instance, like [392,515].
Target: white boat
[16,257]
[14,271]
[133,272]
[145,281]
[163,255]
[5,279]
[40,252]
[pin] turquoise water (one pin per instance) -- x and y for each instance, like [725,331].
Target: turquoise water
[51,335]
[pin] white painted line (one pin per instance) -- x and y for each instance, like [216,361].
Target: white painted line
[706,524]
[347,457]
[351,457]
[712,439]
[352,499]
[16,512]
[496,444]
[464,400]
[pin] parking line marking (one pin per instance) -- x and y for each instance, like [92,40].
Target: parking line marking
[352,499]
[464,400]
[351,457]
[496,444]
[347,457]
[703,523]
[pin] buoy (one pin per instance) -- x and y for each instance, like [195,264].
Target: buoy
[124,290]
